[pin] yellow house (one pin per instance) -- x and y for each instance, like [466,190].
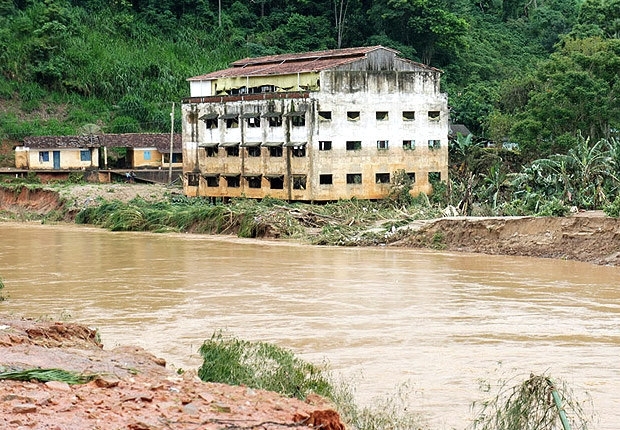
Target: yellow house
[141,151]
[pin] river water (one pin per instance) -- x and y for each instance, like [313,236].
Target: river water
[442,323]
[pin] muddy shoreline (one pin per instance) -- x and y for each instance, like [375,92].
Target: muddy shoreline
[589,237]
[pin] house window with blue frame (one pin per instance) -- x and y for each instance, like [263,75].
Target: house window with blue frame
[44,156]
[147,155]
[84,155]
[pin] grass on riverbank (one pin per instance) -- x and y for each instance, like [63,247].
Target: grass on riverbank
[347,222]
[266,366]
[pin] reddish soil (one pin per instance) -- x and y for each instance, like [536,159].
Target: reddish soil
[131,389]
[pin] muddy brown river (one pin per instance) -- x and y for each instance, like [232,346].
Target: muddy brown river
[442,323]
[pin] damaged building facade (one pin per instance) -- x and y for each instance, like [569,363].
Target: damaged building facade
[315,126]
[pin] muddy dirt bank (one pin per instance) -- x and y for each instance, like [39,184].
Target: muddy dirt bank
[586,236]
[130,389]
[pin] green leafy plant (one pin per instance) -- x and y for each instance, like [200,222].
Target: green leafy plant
[2,295]
[261,365]
[45,375]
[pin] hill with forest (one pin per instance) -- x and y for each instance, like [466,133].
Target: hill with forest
[540,76]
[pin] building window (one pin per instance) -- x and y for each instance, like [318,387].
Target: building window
[44,156]
[434,177]
[232,120]
[354,178]
[147,155]
[210,120]
[276,182]
[299,182]
[353,116]
[433,115]
[84,155]
[299,150]
[325,179]
[211,151]
[176,158]
[382,144]
[213,181]
[408,115]
[299,120]
[232,151]
[325,145]
[233,181]
[434,144]
[274,119]
[408,144]
[325,115]
[382,116]
[253,121]
[354,145]
[254,181]
[193,179]
[275,151]
[253,151]
[411,176]
[382,178]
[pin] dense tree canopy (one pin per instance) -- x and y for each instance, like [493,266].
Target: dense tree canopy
[537,73]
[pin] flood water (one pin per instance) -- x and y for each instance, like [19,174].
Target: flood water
[438,321]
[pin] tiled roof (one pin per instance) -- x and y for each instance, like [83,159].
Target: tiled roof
[292,63]
[161,141]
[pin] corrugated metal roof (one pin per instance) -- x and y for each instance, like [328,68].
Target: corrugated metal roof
[292,63]
[161,141]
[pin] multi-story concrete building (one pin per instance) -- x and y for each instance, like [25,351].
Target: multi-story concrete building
[315,126]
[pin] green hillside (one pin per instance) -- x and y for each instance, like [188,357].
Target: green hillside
[536,73]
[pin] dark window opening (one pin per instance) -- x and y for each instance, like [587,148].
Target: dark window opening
[232,122]
[210,120]
[275,121]
[176,158]
[325,115]
[354,178]
[193,179]
[254,151]
[254,182]
[211,151]
[353,115]
[299,121]
[325,179]
[408,115]
[408,144]
[299,182]
[233,181]
[232,151]
[382,178]
[275,151]
[44,156]
[213,181]
[276,183]
[253,121]
[382,144]
[84,155]
[325,145]
[433,114]
[382,116]
[434,177]
[434,144]
[354,145]
[299,151]
[411,176]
